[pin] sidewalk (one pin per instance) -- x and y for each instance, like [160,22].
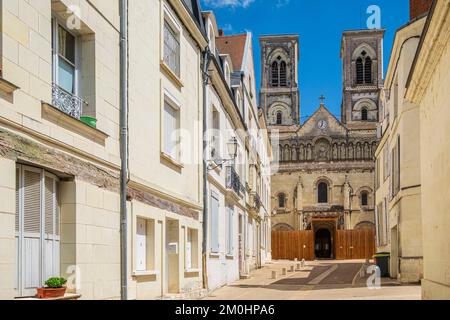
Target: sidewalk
[319,280]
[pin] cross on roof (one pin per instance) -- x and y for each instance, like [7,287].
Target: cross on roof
[322,99]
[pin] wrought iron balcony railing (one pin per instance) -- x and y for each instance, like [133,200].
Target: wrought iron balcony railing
[233,181]
[67,102]
[256,201]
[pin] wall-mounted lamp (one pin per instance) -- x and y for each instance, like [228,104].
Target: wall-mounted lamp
[232,148]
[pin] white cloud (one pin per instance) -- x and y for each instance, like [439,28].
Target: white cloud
[282,3]
[227,28]
[229,3]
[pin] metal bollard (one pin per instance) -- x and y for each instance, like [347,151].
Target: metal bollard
[291,269]
[274,275]
[298,266]
[283,271]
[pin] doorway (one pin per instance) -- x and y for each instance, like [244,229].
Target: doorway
[172,256]
[323,244]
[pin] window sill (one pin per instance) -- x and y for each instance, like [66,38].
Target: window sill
[176,79]
[194,270]
[7,87]
[229,257]
[165,157]
[214,255]
[145,273]
[49,112]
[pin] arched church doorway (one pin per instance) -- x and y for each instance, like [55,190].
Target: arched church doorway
[323,244]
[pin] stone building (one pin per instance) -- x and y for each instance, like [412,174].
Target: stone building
[324,173]
[428,86]
[398,182]
[59,186]
[238,194]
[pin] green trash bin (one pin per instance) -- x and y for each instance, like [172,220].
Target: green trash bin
[382,261]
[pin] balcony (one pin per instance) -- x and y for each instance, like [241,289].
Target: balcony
[255,201]
[233,182]
[67,102]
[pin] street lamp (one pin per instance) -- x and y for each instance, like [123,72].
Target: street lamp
[232,148]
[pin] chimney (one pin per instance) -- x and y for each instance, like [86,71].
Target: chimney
[220,32]
[418,8]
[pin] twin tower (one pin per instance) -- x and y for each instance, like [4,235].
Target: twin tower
[362,58]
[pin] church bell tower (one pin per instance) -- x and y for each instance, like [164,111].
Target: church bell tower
[362,59]
[280,97]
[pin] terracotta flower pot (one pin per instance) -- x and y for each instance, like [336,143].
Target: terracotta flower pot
[46,293]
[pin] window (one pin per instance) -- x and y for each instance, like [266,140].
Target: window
[364,198]
[212,40]
[377,171]
[215,143]
[364,114]
[171,48]
[227,74]
[283,76]
[214,239]
[281,201]
[278,73]
[65,71]
[279,118]
[322,192]
[368,71]
[364,69]
[230,230]
[275,77]
[171,129]
[359,71]
[192,249]
[396,168]
[145,244]
[386,171]
[37,228]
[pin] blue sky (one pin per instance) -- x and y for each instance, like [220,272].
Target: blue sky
[319,24]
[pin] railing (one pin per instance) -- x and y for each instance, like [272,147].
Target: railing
[67,102]
[256,201]
[233,181]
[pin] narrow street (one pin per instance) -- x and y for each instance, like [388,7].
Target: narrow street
[318,280]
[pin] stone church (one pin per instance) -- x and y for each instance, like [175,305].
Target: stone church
[324,172]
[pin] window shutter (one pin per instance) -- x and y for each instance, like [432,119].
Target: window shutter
[32,202]
[49,206]
[17,221]
[214,224]
[189,250]
[141,245]
[230,231]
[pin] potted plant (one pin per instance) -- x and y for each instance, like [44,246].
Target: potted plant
[54,288]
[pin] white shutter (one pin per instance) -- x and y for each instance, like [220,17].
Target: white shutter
[37,227]
[51,221]
[170,130]
[189,250]
[214,224]
[230,214]
[32,227]
[141,245]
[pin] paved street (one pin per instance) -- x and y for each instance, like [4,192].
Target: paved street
[319,280]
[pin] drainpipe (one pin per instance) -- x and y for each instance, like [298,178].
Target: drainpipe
[123,147]
[206,60]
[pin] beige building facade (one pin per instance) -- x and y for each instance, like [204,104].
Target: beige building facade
[60,176]
[398,183]
[427,86]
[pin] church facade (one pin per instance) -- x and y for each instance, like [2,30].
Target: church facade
[324,170]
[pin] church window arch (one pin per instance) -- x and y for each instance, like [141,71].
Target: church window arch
[364,114]
[283,75]
[279,118]
[275,80]
[281,201]
[364,198]
[322,192]
[368,70]
[359,71]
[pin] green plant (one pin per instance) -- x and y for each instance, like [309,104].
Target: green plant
[55,283]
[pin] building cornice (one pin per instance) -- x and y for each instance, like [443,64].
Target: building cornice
[433,43]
